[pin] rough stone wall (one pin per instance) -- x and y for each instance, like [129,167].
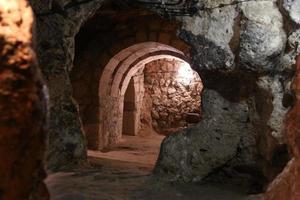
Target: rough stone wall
[287,186]
[240,49]
[57,24]
[243,51]
[268,113]
[223,127]
[171,94]
[22,107]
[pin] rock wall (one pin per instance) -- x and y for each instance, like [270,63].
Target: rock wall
[222,137]
[243,51]
[287,186]
[172,94]
[57,24]
[22,107]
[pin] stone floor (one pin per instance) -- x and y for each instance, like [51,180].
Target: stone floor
[142,151]
[125,174]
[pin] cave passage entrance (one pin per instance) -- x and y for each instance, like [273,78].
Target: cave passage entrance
[159,98]
[112,83]
[162,98]
[145,92]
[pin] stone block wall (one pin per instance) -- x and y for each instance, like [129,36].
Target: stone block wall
[170,94]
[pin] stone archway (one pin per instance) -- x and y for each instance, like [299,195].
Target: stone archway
[253,54]
[217,60]
[114,82]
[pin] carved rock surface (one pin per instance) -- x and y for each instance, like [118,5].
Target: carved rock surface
[286,186]
[211,32]
[195,152]
[246,37]
[262,36]
[55,51]
[293,8]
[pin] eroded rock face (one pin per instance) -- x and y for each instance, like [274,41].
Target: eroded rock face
[195,152]
[267,115]
[275,121]
[286,186]
[251,46]
[262,38]
[294,44]
[288,60]
[210,33]
[56,30]
[226,41]
[215,25]
[22,102]
[207,55]
[293,8]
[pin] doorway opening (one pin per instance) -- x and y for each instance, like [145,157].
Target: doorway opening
[157,98]
[115,101]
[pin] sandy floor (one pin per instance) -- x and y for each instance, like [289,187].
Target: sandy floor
[125,174]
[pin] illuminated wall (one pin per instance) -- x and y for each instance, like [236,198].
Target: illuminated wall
[172,96]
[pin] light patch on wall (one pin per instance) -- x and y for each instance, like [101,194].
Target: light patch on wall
[19,17]
[185,73]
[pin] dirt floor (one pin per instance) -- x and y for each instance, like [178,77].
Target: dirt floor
[124,173]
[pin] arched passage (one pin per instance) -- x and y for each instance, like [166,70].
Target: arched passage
[114,81]
[100,46]
[245,62]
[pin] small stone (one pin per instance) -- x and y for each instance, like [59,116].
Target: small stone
[171,90]
[163,115]
[155,114]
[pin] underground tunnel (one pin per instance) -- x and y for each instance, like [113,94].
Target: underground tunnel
[145,90]
[144,85]
[164,99]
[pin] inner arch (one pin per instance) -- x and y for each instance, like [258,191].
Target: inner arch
[114,82]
